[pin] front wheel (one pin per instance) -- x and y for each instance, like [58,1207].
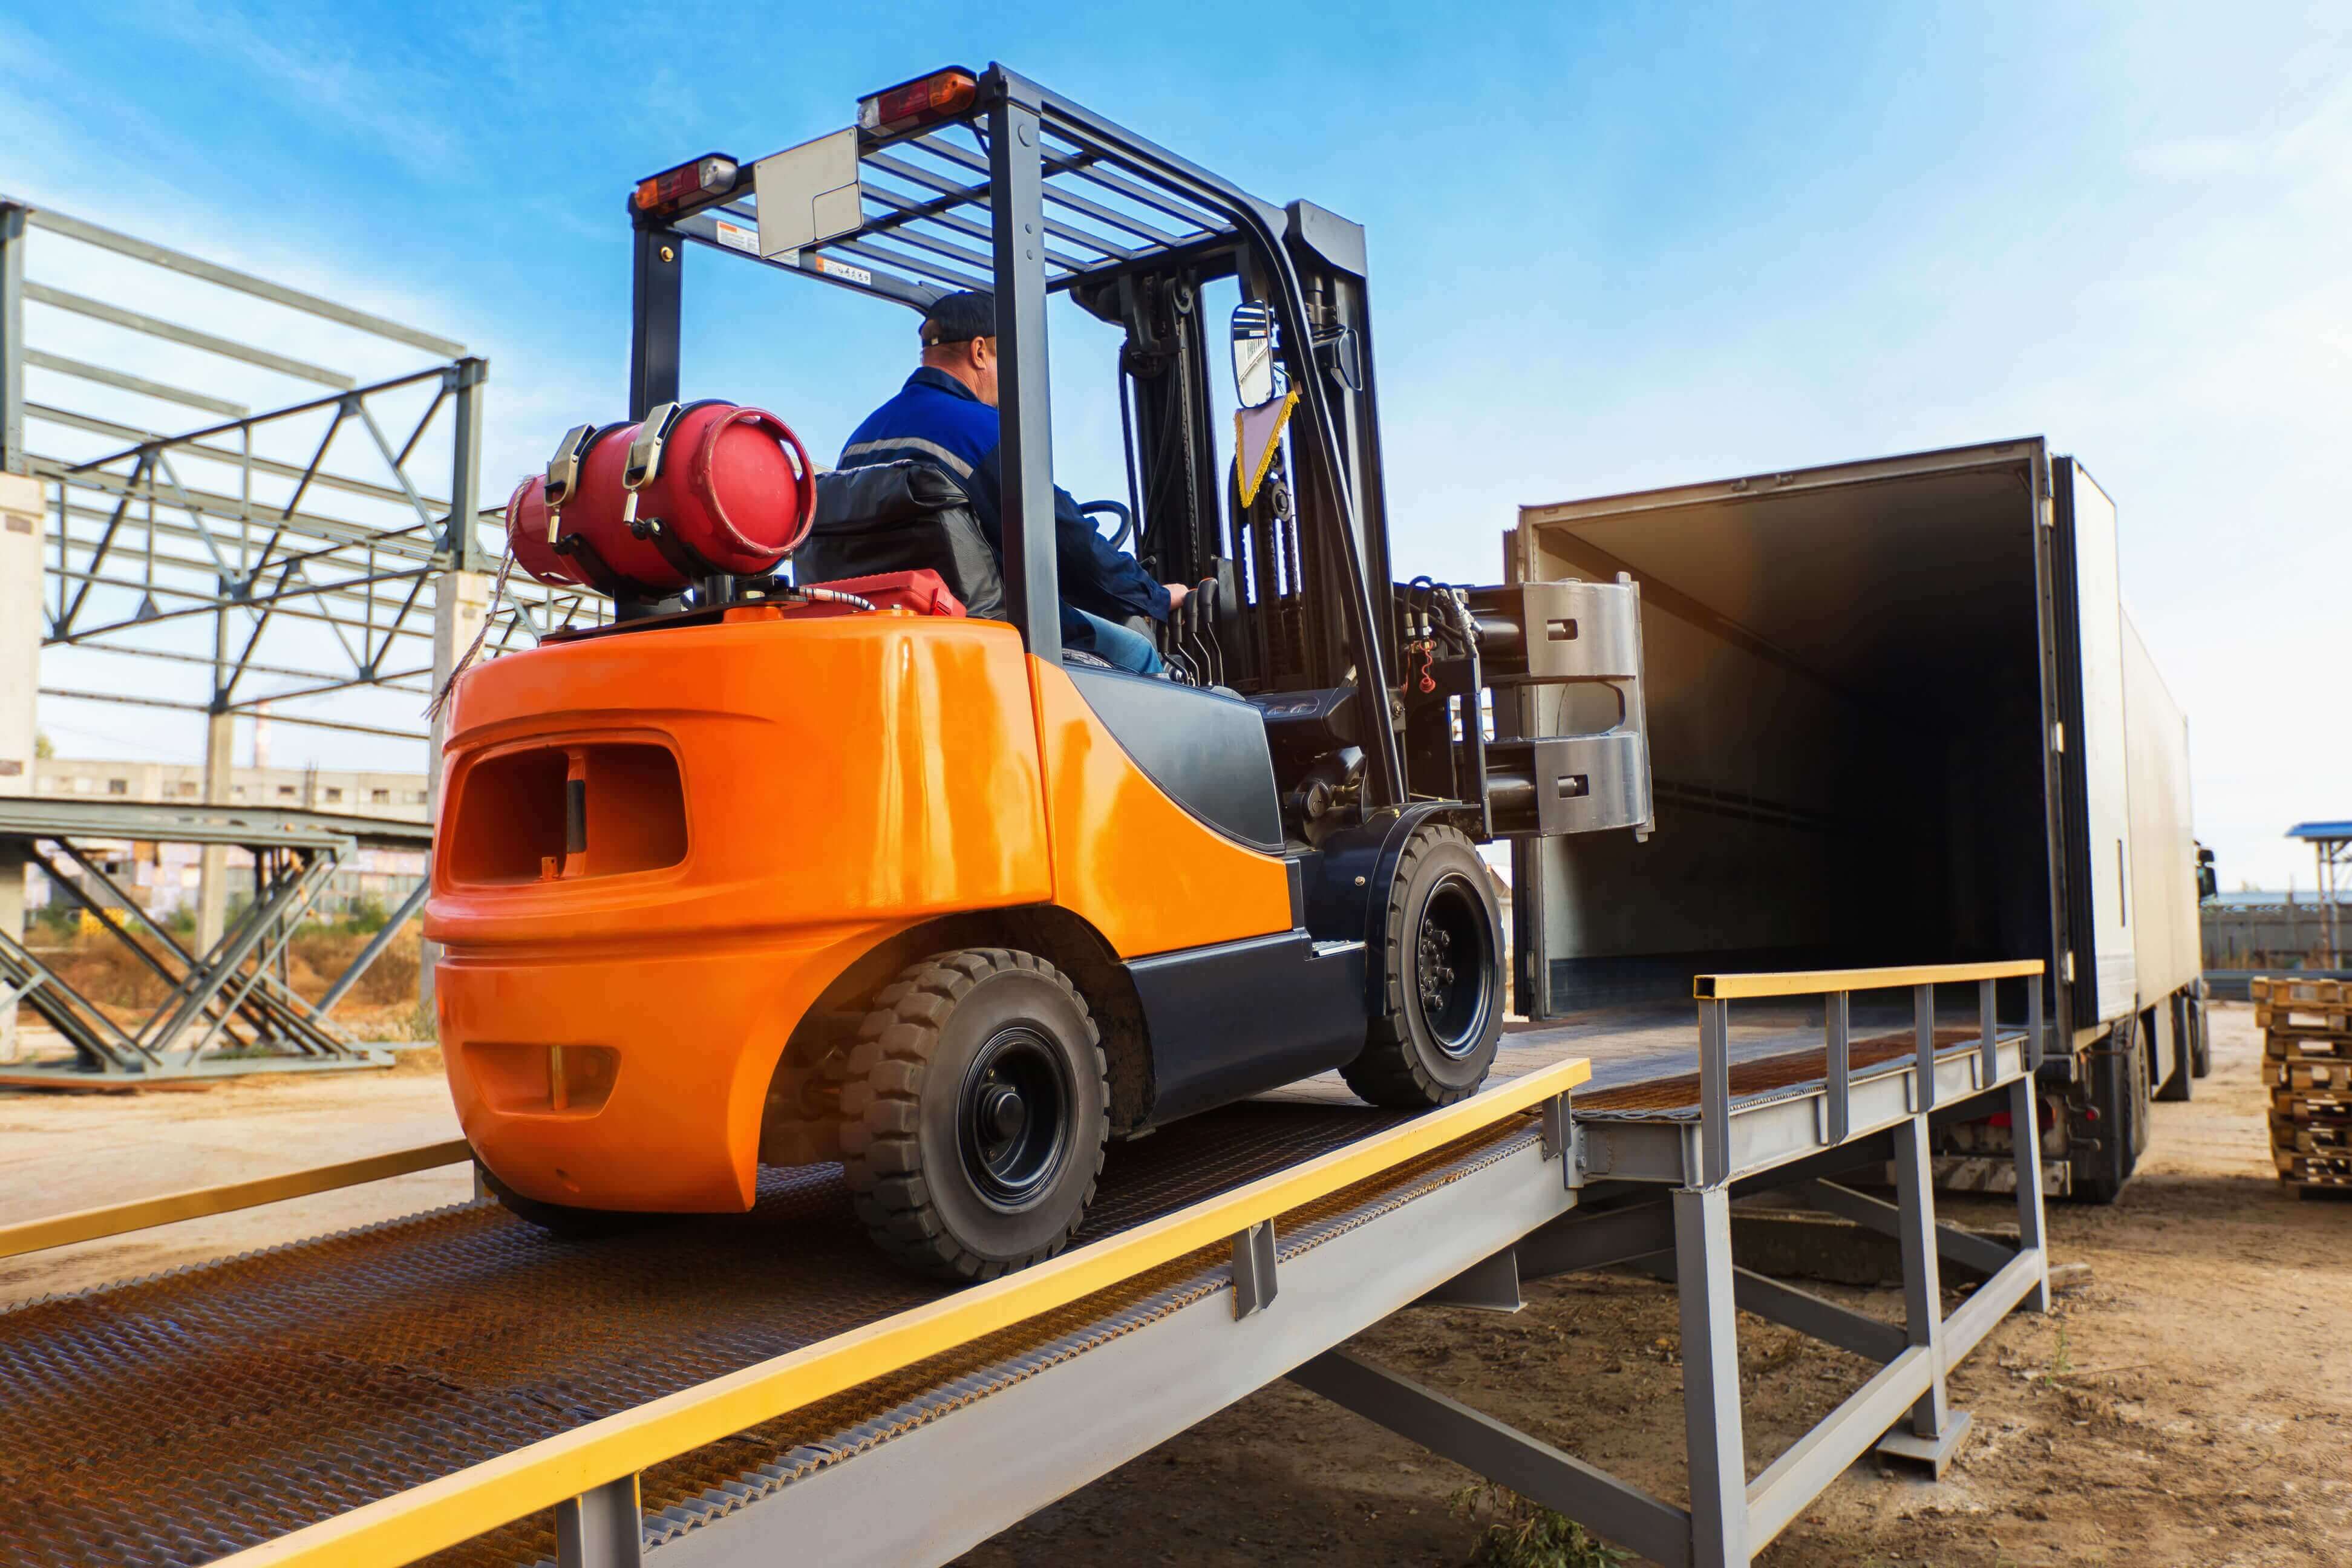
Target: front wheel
[1434,1039]
[974,1114]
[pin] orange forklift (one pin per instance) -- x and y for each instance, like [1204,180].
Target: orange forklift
[824,850]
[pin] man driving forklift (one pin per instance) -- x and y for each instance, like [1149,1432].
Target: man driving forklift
[945,416]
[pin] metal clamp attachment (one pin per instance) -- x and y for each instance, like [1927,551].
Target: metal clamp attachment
[645,454]
[563,472]
[1562,1140]
[1254,1268]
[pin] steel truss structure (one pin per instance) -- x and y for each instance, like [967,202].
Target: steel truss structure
[343,532]
[230,1008]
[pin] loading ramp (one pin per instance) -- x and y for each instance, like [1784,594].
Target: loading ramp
[459,1388]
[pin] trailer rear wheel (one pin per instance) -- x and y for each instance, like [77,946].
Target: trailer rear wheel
[2175,1085]
[1434,1041]
[2119,1089]
[974,1114]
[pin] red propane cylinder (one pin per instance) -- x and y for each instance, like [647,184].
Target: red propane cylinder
[724,488]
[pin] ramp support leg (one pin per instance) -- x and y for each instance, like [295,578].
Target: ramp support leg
[602,1528]
[2025,1140]
[1935,1432]
[1492,1286]
[1711,1416]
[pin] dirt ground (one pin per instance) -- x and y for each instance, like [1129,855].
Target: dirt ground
[2190,1403]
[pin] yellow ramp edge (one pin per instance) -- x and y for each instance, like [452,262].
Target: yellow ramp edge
[143,1214]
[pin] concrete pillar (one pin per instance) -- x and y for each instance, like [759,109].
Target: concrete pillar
[212,873]
[461,602]
[23,506]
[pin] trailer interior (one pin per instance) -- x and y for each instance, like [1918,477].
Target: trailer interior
[1845,715]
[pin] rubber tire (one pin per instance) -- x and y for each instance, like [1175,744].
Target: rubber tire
[899,1108]
[559,1220]
[1401,1066]
[2201,1057]
[2178,1087]
[2143,1093]
[2120,1079]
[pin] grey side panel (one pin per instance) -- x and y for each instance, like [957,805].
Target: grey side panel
[1229,1020]
[1207,752]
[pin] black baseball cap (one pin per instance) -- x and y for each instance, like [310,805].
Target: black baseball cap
[959,317]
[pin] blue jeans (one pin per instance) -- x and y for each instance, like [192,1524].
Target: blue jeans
[1121,649]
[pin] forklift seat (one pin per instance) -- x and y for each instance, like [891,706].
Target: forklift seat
[901,517]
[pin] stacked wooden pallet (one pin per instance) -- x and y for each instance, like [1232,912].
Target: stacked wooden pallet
[2308,1059]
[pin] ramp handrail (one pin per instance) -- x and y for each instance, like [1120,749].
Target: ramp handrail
[1816,981]
[1714,994]
[591,1472]
[144,1214]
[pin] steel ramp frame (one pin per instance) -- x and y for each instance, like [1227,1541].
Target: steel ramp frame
[227,1011]
[1664,1206]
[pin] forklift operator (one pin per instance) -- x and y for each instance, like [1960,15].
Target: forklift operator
[945,416]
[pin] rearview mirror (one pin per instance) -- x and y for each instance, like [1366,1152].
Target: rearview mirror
[1253,352]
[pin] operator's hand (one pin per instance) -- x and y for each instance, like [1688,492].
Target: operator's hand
[1177,595]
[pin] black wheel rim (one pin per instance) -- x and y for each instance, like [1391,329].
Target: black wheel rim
[1452,957]
[1013,1120]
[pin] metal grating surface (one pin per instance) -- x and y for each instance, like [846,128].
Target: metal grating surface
[1767,1078]
[710,1483]
[179,1418]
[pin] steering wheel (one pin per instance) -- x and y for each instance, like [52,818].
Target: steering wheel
[1090,509]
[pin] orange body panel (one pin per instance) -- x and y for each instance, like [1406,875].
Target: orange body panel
[841,779]
[762,801]
[1146,873]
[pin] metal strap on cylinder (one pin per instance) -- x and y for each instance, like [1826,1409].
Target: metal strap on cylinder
[563,472]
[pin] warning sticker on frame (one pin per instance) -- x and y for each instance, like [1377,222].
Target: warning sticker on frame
[842,271]
[737,237]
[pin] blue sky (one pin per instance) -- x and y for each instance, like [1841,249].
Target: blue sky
[1612,247]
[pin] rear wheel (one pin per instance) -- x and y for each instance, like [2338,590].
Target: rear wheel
[1435,1038]
[2175,1086]
[974,1112]
[2119,1092]
[558,1219]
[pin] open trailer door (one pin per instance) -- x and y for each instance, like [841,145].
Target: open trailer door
[2093,748]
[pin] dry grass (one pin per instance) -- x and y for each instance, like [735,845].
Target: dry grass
[382,1005]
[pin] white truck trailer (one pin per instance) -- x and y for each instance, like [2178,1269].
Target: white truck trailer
[1895,713]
